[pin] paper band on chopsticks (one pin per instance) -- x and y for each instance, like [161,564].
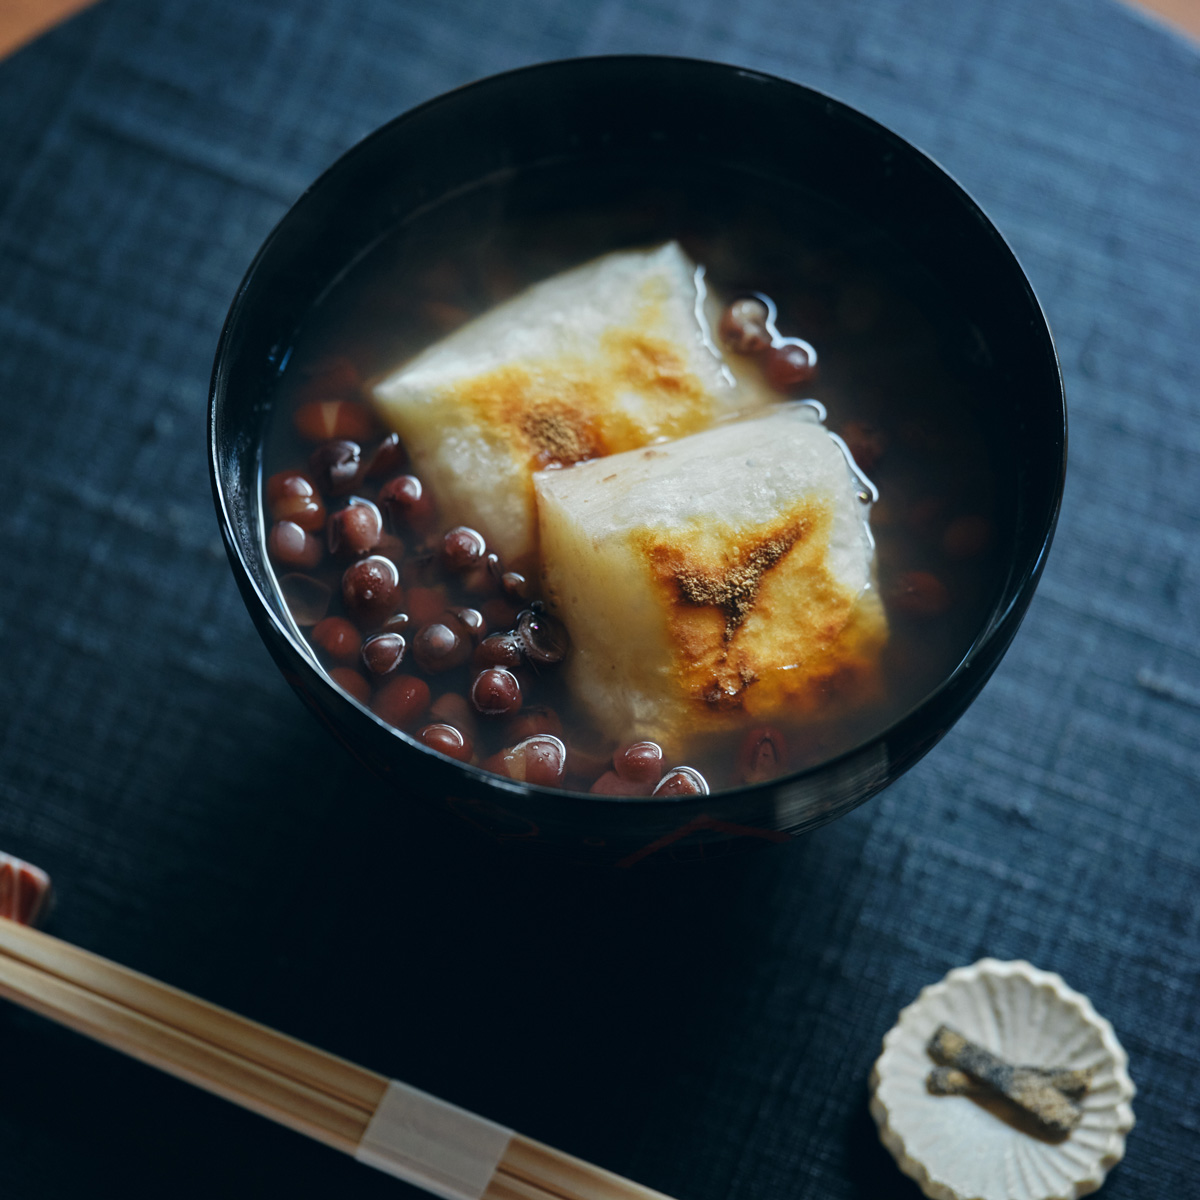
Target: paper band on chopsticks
[434,1145]
[383,1123]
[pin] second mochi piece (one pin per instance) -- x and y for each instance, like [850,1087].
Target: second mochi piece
[725,575]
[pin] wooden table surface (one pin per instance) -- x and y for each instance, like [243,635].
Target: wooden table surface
[23,20]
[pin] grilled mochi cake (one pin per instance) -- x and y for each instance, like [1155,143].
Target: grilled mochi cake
[606,357]
[722,576]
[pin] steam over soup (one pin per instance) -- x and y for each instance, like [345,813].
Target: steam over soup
[562,492]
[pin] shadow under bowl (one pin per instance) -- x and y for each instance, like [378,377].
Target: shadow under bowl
[642,118]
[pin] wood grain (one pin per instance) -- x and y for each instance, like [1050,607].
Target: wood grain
[23,20]
[531,1169]
[295,1105]
[1182,15]
[248,1040]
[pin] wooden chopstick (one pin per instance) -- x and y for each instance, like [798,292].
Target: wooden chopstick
[279,1077]
[304,1109]
[285,1055]
[551,1172]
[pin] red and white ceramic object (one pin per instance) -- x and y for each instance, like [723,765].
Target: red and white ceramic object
[24,891]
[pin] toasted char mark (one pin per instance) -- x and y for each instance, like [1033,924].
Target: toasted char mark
[735,589]
[568,409]
[723,570]
[549,418]
[757,621]
[559,435]
[650,364]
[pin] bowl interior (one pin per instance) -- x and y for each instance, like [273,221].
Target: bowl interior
[635,133]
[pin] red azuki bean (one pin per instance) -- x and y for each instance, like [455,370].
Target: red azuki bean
[543,637]
[500,650]
[788,363]
[611,784]
[540,760]
[383,653]
[462,548]
[470,621]
[402,701]
[496,692]
[918,594]
[288,543]
[371,589]
[405,504]
[292,496]
[681,781]
[639,762]
[762,756]
[352,683]
[340,640]
[515,585]
[354,530]
[436,647]
[387,458]
[321,420]
[398,622]
[336,466]
[447,740]
[531,721]
[307,598]
[450,708]
[743,325]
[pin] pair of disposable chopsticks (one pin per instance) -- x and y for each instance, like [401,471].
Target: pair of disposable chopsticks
[384,1123]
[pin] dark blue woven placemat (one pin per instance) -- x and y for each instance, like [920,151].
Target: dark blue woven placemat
[709,1034]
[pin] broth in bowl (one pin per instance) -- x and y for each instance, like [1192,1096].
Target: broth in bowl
[421,601]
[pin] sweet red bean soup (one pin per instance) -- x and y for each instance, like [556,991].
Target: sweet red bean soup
[533,518]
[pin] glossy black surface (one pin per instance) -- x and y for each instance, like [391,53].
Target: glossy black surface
[626,112]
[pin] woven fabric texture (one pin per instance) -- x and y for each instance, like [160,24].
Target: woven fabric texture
[708,1033]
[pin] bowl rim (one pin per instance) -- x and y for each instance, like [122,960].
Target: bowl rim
[967,677]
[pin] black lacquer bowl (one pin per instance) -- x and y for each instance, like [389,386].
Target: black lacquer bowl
[636,115]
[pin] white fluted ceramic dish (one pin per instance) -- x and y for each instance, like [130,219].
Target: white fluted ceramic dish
[962,1147]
